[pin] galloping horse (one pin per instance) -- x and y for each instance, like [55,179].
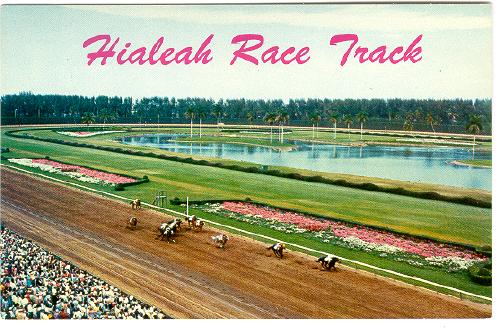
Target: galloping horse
[190,219]
[220,240]
[194,223]
[167,230]
[198,225]
[277,249]
[328,262]
[132,223]
[177,223]
[136,204]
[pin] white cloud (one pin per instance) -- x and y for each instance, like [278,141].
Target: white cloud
[361,17]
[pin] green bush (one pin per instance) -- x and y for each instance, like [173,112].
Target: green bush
[485,249]
[175,201]
[481,273]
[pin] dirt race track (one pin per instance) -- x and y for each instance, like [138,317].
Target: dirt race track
[194,279]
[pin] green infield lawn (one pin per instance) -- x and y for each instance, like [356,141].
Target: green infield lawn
[433,219]
[478,162]
[214,136]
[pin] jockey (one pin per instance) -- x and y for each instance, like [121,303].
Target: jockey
[277,249]
[328,262]
[278,246]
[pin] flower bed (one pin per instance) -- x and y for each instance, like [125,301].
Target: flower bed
[415,251]
[86,134]
[74,171]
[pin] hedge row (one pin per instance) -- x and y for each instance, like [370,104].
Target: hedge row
[481,273]
[121,186]
[253,169]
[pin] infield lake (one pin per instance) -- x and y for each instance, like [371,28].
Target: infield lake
[406,163]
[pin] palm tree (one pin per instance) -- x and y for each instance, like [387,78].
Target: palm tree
[190,114]
[474,126]
[250,117]
[270,118]
[431,120]
[334,117]
[282,118]
[362,118]
[315,119]
[408,125]
[106,114]
[218,112]
[348,122]
[88,118]
[201,115]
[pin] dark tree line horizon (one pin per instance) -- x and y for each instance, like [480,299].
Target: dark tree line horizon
[441,115]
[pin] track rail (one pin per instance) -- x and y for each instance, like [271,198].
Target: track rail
[355,262]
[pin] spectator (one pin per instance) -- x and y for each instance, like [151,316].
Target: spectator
[36,284]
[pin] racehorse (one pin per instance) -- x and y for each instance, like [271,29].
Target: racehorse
[191,219]
[220,240]
[132,223]
[177,223]
[277,249]
[328,262]
[198,225]
[194,223]
[167,230]
[136,204]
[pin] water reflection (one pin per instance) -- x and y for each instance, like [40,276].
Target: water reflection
[415,164]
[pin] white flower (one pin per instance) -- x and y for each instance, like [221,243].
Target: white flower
[75,134]
[453,263]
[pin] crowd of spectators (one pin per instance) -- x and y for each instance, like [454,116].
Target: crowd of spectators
[37,284]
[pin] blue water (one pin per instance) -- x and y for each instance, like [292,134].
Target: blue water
[415,164]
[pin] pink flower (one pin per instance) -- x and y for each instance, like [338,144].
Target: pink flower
[422,247]
[106,177]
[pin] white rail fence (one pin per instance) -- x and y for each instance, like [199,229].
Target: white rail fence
[355,262]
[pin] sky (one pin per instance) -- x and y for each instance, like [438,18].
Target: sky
[41,50]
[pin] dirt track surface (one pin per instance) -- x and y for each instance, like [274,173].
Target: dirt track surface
[194,279]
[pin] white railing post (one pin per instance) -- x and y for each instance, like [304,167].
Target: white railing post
[187,206]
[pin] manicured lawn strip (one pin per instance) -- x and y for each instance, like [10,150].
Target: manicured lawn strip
[478,162]
[398,190]
[355,137]
[438,220]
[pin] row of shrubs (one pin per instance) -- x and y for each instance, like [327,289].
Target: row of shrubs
[481,273]
[121,186]
[253,169]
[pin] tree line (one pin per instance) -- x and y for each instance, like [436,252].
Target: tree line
[409,114]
